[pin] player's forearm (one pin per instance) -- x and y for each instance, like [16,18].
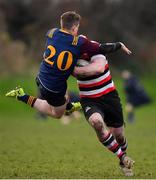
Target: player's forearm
[109,47]
[89,70]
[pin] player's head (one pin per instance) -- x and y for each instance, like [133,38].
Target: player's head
[126,74]
[70,21]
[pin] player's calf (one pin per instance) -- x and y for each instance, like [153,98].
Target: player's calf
[105,137]
[120,137]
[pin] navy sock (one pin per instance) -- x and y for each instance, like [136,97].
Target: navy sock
[27,99]
[69,106]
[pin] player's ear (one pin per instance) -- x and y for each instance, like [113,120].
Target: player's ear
[73,30]
[73,27]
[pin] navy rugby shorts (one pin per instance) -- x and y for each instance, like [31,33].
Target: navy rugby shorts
[54,99]
[108,106]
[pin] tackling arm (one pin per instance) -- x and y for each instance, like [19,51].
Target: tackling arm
[96,67]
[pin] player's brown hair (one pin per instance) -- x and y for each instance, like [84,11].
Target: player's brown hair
[69,19]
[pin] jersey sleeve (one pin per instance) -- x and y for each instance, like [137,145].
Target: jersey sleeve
[106,48]
[50,32]
[89,47]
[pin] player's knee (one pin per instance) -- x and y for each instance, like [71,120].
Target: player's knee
[96,121]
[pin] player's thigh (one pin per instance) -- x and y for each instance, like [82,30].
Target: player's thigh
[89,108]
[113,110]
[54,99]
[92,113]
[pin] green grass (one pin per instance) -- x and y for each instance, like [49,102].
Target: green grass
[31,148]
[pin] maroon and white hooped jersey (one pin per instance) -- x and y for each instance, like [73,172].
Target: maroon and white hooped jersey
[97,85]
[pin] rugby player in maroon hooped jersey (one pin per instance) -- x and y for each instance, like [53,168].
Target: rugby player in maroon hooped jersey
[102,108]
[63,48]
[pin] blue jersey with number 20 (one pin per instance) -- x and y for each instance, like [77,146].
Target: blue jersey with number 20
[60,57]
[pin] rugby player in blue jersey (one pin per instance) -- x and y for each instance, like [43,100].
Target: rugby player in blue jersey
[63,48]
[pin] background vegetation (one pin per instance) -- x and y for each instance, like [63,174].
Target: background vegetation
[23,25]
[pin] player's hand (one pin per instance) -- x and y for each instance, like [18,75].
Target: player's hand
[125,49]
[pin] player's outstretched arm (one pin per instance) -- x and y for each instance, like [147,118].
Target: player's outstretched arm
[106,48]
[93,47]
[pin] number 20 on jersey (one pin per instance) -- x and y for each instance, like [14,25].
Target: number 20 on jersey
[60,59]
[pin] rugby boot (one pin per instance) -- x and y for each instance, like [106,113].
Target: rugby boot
[17,92]
[75,107]
[126,171]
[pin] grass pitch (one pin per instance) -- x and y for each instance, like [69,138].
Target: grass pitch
[31,148]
